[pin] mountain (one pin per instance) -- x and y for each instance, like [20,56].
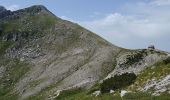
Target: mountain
[45,57]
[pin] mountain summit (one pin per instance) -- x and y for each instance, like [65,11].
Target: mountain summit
[42,56]
[2,9]
[4,12]
[34,9]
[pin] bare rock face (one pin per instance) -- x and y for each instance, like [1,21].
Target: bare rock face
[136,61]
[159,86]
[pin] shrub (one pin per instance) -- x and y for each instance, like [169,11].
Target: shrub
[134,58]
[167,61]
[117,82]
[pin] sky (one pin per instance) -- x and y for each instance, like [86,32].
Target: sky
[130,24]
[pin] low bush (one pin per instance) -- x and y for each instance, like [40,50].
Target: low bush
[117,82]
[167,61]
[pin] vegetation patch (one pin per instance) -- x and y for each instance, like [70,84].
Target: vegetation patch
[156,71]
[14,71]
[145,96]
[9,26]
[94,88]
[118,82]
[167,61]
[29,25]
[44,93]
[3,46]
[79,94]
[69,93]
[134,57]
[137,96]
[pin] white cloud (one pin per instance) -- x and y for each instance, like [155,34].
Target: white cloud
[145,23]
[65,18]
[131,31]
[161,2]
[125,26]
[13,7]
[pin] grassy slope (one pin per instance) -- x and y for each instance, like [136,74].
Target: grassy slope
[161,68]
[32,24]
[14,71]
[156,71]
[79,94]
[3,46]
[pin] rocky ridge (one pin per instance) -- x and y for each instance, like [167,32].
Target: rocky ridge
[43,54]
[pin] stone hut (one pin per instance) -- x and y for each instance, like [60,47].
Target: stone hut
[151,47]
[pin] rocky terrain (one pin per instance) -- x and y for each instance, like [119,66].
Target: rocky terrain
[45,57]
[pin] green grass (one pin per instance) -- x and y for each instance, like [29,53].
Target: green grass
[44,93]
[137,96]
[14,71]
[156,71]
[162,97]
[79,94]
[145,96]
[10,26]
[40,22]
[94,88]
[3,46]
[36,25]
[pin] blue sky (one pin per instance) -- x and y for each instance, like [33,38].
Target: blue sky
[126,23]
[76,9]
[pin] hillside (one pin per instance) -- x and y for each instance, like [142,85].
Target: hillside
[45,57]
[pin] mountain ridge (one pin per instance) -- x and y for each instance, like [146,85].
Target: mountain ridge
[42,54]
